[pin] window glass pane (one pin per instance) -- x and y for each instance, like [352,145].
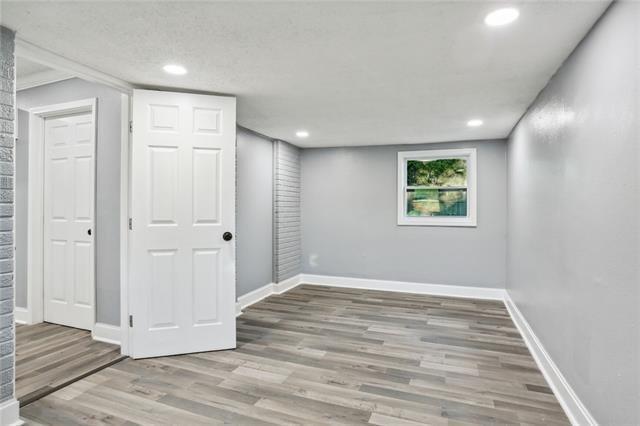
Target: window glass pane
[436,202]
[437,173]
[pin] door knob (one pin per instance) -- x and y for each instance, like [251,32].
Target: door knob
[227,236]
[89,231]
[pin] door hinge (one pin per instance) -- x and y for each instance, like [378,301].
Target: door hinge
[131,127]
[130,224]
[130,320]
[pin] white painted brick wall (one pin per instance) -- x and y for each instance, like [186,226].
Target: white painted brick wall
[7,142]
[287,230]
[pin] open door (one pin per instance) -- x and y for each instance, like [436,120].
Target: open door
[182,252]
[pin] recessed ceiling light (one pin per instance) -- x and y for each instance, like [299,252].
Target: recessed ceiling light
[475,122]
[501,17]
[302,133]
[175,69]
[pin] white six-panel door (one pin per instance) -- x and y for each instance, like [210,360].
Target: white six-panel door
[182,271]
[69,191]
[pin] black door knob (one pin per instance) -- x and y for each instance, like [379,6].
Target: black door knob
[227,236]
[89,231]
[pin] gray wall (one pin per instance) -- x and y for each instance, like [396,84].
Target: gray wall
[7,129]
[349,225]
[22,204]
[107,182]
[573,264]
[287,224]
[254,247]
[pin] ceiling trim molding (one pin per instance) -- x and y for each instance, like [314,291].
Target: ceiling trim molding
[37,54]
[40,79]
[262,135]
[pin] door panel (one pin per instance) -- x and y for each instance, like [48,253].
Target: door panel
[69,199]
[164,184]
[206,186]
[162,296]
[182,273]
[82,274]
[206,283]
[83,188]
[57,277]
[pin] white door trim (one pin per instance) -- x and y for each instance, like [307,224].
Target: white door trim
[35,211]
[41,78]
[125,184]
[34,53]
[10,413]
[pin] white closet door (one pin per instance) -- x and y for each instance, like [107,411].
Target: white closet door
[69,199]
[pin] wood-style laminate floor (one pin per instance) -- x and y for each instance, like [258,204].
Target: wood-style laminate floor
[50,356]
[321,355]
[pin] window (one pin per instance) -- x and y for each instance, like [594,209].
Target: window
[437,187]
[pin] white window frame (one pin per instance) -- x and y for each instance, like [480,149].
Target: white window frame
[468,154]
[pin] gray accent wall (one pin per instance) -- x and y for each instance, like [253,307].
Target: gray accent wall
[350,228]
[574,223]
[107,182]
[254,239]
[287,223]
[7,140]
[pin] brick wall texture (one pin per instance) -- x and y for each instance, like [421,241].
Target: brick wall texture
[287,233]
[7,142]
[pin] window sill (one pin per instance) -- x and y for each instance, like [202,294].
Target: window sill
[435,221]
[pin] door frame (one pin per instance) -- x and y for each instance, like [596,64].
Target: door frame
[24,49]
[125,185]
[35,211]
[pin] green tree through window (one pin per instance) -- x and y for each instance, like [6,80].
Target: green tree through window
[437,173]
[437,187]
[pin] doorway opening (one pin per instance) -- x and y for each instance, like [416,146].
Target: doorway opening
[67,217]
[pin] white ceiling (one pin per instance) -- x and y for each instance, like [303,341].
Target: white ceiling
[351,73]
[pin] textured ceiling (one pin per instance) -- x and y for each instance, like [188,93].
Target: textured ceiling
[351,73]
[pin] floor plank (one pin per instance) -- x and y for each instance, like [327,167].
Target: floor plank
[325,355]
[50,356]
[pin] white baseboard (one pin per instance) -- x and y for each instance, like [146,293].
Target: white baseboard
[573,407]
[486,293]
[265,291]
[21,315]
[369,284]
[287,284]
[10,413]
[254,296]
[106,333]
